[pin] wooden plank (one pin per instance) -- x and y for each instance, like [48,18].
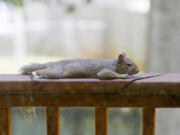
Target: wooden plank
[53,121]
[101,121]
[5,121]
[20,83]
[64,85]
[168,84]
[88,100]
[149,121]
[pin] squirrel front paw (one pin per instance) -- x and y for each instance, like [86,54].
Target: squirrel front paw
[124,76]
[34,77]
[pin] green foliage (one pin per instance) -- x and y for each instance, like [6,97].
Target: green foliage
[70,8]
[17,3]
[88,1]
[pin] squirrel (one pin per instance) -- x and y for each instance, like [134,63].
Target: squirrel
[118,68]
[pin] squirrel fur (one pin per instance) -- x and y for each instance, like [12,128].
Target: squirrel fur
[120,67]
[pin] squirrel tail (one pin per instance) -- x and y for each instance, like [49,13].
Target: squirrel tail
[28,69]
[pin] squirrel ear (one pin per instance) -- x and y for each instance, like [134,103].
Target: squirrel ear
[121,58]
[124,54]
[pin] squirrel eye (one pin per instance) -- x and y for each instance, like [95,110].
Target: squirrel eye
[129,65]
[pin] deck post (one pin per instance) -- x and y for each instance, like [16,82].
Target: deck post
[5,121]
[53,120]
[149,120]
[101,121]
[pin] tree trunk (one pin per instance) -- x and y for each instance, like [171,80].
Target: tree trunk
[164,55]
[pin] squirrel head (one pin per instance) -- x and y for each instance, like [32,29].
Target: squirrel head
[126,66]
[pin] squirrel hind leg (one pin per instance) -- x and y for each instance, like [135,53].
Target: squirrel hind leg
[47,73]
[28,69]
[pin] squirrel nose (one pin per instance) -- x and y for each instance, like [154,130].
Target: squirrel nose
[137,70]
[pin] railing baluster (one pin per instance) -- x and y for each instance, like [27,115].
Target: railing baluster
[101,121]
[5,121]
[149,121]
[53,120]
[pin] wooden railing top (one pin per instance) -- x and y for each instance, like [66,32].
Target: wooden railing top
[164,84]
[162,90]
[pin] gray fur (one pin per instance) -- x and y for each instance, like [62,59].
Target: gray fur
[83,68]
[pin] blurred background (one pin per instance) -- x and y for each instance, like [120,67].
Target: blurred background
[49,30]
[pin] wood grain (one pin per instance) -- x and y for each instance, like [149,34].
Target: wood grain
[168,84]
[101,121]
[5,121]
[53,121]
[88,100]
[149,121]
[18,90]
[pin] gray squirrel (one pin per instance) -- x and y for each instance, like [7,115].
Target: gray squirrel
[118,68]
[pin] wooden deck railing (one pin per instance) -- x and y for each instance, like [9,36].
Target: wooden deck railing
[150,93]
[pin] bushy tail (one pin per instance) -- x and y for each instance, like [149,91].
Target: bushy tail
[28,69]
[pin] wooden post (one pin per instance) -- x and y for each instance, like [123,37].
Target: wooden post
[149,121]
[101,121]
[53,121]
[5,121]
